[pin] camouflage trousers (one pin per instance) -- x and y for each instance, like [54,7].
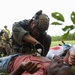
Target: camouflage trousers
[6,47]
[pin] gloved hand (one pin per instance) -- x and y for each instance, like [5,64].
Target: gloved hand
[39,48]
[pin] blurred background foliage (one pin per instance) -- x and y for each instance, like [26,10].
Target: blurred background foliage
[60,20]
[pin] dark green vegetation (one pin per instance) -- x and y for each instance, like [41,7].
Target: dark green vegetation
[70,36]
[55,43]
[56,40]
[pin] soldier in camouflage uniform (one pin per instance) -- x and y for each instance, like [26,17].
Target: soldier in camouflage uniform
[5,44]
[29,33]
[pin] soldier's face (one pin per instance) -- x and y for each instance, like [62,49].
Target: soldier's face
[34,31]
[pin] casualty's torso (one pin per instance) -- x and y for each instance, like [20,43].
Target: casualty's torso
[43,63]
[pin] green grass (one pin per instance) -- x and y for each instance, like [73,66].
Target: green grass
[54,43]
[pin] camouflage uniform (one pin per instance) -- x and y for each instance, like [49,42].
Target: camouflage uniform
[5,45]
[20,29]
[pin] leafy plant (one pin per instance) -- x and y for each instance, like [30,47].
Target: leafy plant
[59,17]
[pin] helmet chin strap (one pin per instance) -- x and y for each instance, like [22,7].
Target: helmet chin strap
[32,25]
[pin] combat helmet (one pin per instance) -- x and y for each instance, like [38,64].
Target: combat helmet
[41,21]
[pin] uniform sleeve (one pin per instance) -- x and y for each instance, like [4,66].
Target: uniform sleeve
[18,32]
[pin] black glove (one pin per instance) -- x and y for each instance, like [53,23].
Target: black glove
[39,48]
